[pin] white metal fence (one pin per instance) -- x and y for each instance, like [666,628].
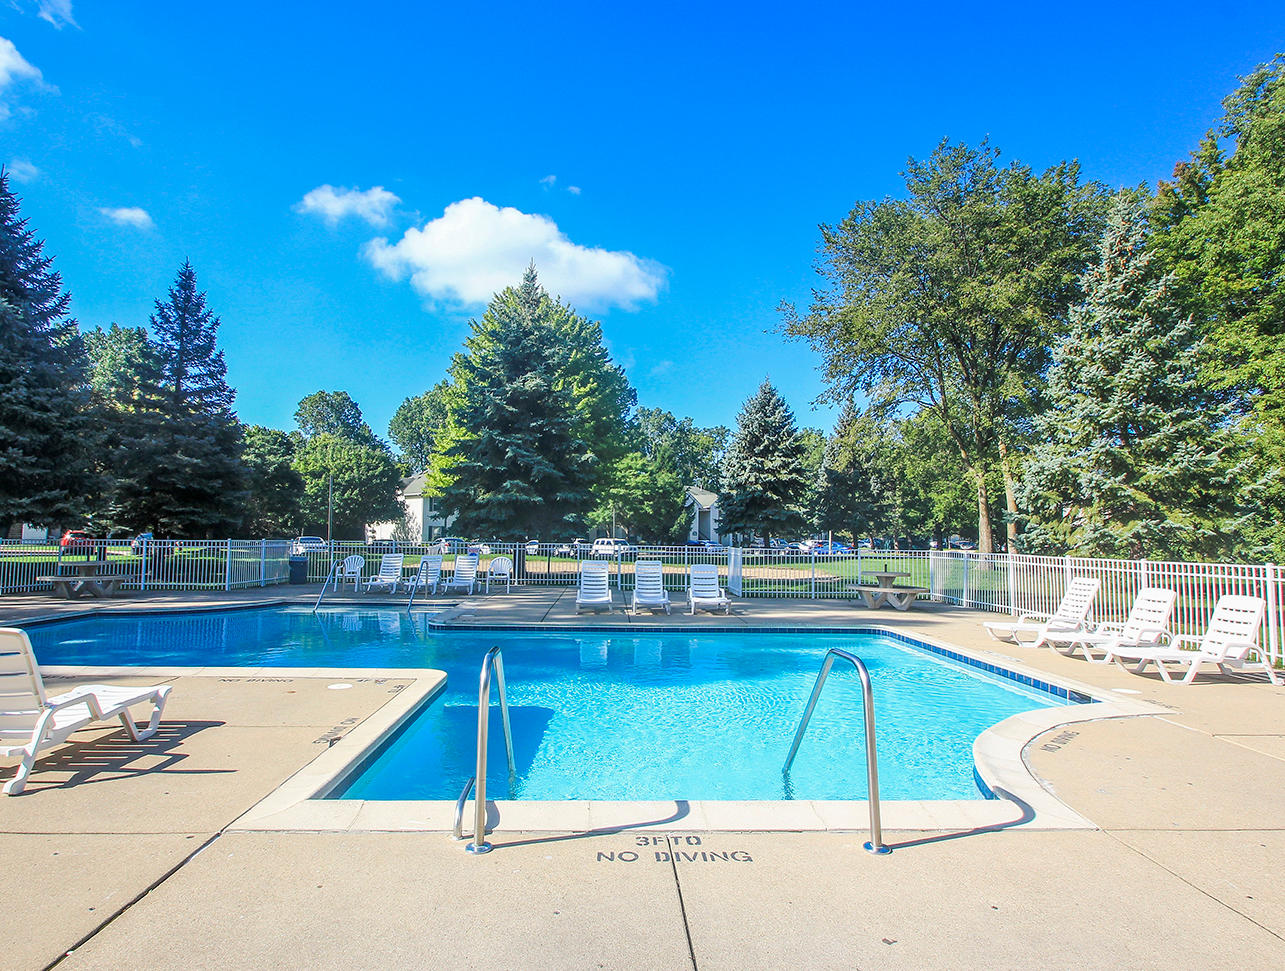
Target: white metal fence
[158,564]
[998,582]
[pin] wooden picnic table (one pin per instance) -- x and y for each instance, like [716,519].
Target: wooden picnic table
[84,577]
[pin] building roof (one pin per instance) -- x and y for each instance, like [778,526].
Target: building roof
[702,497]
[413,485]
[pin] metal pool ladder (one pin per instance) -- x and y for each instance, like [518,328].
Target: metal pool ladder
[492,661]
[876,844]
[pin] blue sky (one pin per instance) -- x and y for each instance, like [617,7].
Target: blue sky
[666,166]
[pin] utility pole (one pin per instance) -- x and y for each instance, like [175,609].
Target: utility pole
[330,505]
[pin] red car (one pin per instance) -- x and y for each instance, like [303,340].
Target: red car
[76,539]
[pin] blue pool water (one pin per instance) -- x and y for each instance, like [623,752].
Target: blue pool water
[607,714]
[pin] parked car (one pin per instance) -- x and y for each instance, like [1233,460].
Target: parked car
[830,549]
[76,539]
[307,544]
[136,544]
[453,544]
[532,547]
[382,546]
[479,548]
[611,546]
[576,546]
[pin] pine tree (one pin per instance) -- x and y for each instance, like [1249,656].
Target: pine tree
[44,425]
[764,473]
[1130,461]
[522,470]
[853,495]
[181,473]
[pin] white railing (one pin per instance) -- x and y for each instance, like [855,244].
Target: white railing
[1000,582]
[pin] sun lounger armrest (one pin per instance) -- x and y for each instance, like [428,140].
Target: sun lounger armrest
[1157,634]
[1181,639]
[1027,618]
[1238,650]
[88,699]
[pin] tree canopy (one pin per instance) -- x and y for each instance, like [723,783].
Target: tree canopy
[765,479]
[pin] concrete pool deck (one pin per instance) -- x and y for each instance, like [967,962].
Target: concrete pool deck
[1182,869]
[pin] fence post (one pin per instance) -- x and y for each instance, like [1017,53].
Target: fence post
[1012,584]
[814,573]
[227,567]
[1142,574]
[1273,610]
[967,601]
[142,576]
[263,562]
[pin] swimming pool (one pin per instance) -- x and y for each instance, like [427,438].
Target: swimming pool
[608,715]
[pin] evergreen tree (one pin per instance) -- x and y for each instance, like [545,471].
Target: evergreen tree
[44,448]
[523,470]
[1130,461]
[765,477]
[275,488]
[852,493]
[182,476]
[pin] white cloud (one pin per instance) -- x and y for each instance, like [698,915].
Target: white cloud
[574,189]
[129,216]
[333,204]
[661,367]
[57,12]
[475,249]
[14,67]
[549,181]
[20,170]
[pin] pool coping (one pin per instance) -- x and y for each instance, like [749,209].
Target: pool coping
[999,756]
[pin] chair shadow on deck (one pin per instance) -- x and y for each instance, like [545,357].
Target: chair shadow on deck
[112,756]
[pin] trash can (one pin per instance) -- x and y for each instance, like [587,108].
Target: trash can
[298,569]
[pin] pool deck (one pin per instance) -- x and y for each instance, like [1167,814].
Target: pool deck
[131,855]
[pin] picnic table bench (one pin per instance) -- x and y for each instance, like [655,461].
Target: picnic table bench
[74,579]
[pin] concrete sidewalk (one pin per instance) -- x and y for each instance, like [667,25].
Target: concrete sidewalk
[1183,871]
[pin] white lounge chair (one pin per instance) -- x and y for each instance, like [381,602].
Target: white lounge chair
[649,586]
[464,576]
[390,573]
[427,576]
[1146,626]
[704,591]
[594,592]
[32,721]
[351,569]
[1228,640]
[1069,616]
[500,568]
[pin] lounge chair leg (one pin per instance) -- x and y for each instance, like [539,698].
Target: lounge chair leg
[19,780]
[1192,668]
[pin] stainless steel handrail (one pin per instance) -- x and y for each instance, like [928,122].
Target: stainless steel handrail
[332,575]
[876,844]
[492,661]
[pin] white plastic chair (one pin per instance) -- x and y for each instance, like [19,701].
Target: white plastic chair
[428,575]
[1069,616]
[464,576]
[32,721]
[649,586]
[594,591]
[1227,642]
[390,573]
[500,568]
[351,569]
[1146,626]
[705,592]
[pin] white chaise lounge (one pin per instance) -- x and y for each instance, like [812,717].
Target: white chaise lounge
[649,586]
[704,591]
[464,576]
[1146,626]
[428,575]
[1229,639]
[32,721]
[1069,616]
[594,592]
[390,573]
